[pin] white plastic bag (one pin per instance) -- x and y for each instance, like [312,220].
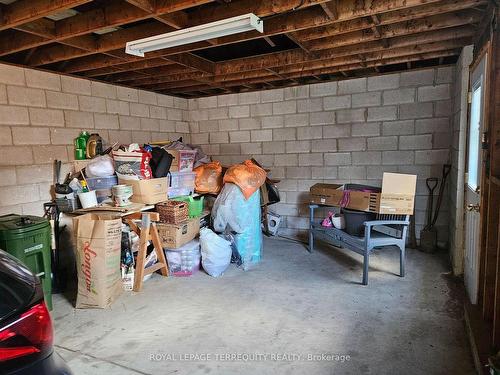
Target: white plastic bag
[100,166]
[215,252]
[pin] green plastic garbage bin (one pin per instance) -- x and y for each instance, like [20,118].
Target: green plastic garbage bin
[28,238]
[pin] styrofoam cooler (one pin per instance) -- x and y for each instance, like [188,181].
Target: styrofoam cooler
[181,183]
[185,260]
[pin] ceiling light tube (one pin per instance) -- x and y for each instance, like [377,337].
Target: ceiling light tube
[229,26]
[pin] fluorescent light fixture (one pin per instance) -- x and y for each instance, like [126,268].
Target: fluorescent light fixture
[229,26]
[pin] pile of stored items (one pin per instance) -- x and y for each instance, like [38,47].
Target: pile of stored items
[162,207]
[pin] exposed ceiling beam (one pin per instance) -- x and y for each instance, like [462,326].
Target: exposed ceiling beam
[331,10]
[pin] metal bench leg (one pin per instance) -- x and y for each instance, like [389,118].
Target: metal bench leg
[366,263]
[311,238]
[402,261]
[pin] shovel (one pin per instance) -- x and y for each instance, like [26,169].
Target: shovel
[428,236]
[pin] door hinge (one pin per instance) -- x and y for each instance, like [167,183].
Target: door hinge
[469,97]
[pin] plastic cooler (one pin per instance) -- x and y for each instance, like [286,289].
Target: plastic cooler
[28,238]
[180,183]
[185,260]
[102,186]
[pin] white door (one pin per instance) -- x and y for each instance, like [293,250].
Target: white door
[473,180]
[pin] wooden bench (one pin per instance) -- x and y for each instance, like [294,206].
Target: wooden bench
[391,231]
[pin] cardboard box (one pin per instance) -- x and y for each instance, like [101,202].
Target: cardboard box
[397,195]
[174,236]
[149,191]
[183,160]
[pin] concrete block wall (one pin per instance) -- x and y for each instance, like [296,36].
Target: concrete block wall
[41,113]
[346,131]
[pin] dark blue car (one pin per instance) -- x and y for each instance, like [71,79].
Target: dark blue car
[26,332]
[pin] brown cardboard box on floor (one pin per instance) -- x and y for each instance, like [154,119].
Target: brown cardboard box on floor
[149,191]
[173,236]
[397,195]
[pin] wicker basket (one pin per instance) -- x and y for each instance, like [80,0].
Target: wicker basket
[173,212]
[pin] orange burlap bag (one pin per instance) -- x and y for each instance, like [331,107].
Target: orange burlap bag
[248,176]
[208,178]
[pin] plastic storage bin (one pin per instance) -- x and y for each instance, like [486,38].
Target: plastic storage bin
[185,260]
[28,238]
[102,186]
[195,204]
[180,183]
[354,221]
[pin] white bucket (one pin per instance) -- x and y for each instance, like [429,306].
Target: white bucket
[121,195]
[88,199]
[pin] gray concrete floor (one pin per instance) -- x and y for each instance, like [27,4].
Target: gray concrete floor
[293,304]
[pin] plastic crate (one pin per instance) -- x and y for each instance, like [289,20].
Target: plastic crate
[185,260]
[181,183]
[102,186]
[195,204]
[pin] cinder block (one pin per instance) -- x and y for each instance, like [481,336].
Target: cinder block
[10,115]
[441,140]
[208,102]
[118,107]
[249,97]
[3,94]
[272,96]
[5,136]
[324,145]
[397,157]
[175,114]
[322,118]
[47,154]
[227,100]
[74,85]
[61,100]
[383,143]
[200,138]
[417,77]
[415,142]
[228,124]
[443,108]
[30,136]
[336,131]
[273,122]
[309,105]
[42,80]
[16,155]
[239,136]
[282,108]
[18,194]
[351,86]
[383,113]
[415,110]
[261,109]
[287,134]
[209,126]
[296,92]
[383,82]
[131,95]
[310,132]
[154,111]
[11,75]
[367,158]
[404,95]
[129,123]
[297,172]
[336,102]
[323,89]
[139,110]
[338,158]
[254,148]
[79,120]
[239,111]
[364,129]
[307,160]
[285,160]
[351,115]
[352,173]
[8,176]
[147,97]
[261,135]
[352,144]
[218,113]
[141,137]
[323,173]
[197,115]
[219,137]
[298,146]
[89,104]
[275,147]
[230,149]
[46,117]
[179,103]
[121,136]
[432,157]
[445,74]
[249,123]
[34,174]
[431,93]
[398,127]
[366,99]
[103,90]
[301,119]
[26,96]
[433,125]
[146,124]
